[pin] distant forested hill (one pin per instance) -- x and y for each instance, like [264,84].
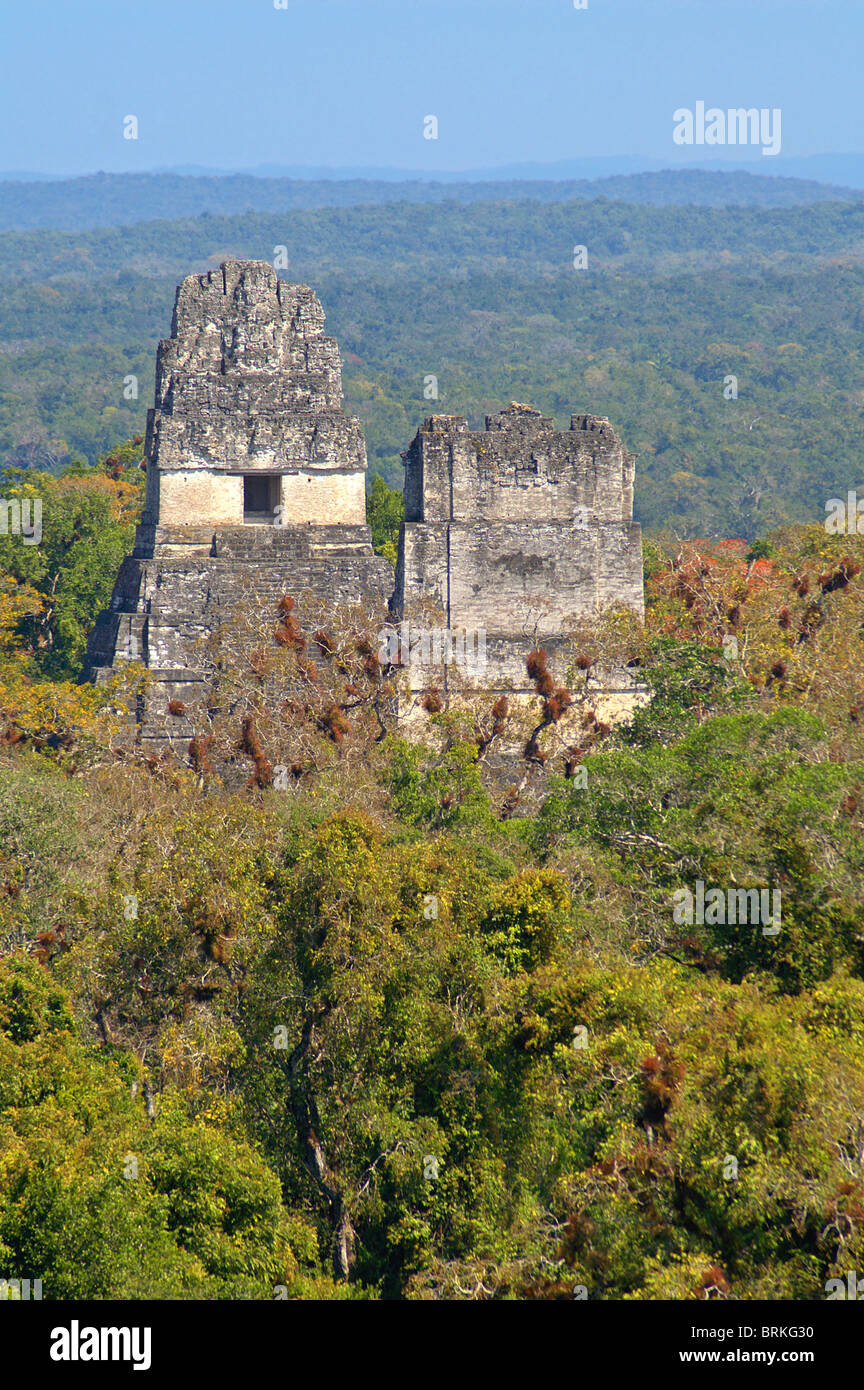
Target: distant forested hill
[484,297]
[105,200]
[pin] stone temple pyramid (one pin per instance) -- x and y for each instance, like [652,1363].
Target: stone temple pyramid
[256,489]
[255,482]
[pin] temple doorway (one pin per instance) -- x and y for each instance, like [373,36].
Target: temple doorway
[261,497]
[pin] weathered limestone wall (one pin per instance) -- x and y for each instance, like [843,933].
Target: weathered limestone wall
[528,509]
[522,574]
[520,530]
[307,496]
[190,493]
[520,468]
[165,609]
[304,496]
[247,384]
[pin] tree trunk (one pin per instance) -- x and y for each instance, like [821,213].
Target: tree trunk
[304,1113]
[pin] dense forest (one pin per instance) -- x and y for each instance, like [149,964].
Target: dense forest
[484,297]
[424,1023]
[423,1019]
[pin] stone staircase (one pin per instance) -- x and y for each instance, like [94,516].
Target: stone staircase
[169,605]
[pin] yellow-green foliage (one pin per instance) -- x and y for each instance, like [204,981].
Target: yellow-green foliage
[398,1043]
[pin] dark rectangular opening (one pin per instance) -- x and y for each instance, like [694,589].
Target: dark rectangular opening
[260,498]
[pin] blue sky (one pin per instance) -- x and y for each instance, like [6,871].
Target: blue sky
[238,83]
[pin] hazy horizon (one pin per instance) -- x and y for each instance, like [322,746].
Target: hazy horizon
[845,169]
